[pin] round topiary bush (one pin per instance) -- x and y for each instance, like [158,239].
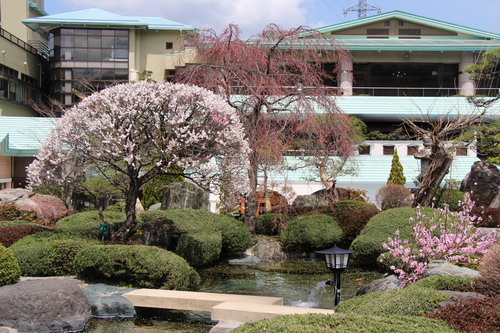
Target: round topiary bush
[87,223]
[393,196]
[219,235]
[138,265]
[9,267]
[48,254]
[267,224]
[343,206]
[368,245]
[409,301]
[310,233]
[345,323]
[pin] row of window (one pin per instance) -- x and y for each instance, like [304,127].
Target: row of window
[17,91]
[410,150]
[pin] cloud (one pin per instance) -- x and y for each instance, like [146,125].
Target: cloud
[251,15]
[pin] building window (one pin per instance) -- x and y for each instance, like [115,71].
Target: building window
[377,33]
[169,45]
[411,150]
[409,33]
[169,74]
[388,150]
[462,151]
[364,149]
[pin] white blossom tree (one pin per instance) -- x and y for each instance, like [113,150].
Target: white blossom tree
[140,130]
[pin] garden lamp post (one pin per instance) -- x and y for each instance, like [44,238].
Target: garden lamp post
[336,260]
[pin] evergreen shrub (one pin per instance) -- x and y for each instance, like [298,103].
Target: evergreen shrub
[343,206]
[138,265]
[9,212]
[9,267]
[230,236]
[450,197]
[368,245]
[446,282]
[12,231]
[269,224]
[345,323]
[87,223]
[310,233]
[353,222]
[409,301]
[48,253]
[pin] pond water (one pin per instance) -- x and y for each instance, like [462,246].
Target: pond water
[306,288]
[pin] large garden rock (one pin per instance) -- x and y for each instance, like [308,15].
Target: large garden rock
[109,302]
[46,207]
[310,201]
[268,249]
[158,232]
[483,181]
[443,267]
[386,283]
[185,195]
[456,296]
[44,305]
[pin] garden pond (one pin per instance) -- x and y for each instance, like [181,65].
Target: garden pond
[298,282]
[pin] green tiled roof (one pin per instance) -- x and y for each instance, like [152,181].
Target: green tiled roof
[95,17]
[22,136]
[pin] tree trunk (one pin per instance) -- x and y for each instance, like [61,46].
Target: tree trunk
[130,222]
[436,171]
[251,199]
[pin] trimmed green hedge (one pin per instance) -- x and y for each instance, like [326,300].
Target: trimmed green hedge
[265,224]
[368,245]
[48,254]
[87,223]
[446,282]
[138,265]
[343,206]
[410,301]
[310,233]
[214,234]
[345,323]
[9,267]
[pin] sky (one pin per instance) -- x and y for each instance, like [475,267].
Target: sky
[253,15]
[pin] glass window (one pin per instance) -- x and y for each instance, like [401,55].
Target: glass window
[364,149]
[121,42]
[94,54]
[121,32]
[388,150]
[94,41]
[121,54]
[411,150]
[82,32]
[107,42]
[66,41]
[108,32]
[80,54]
[106,54]
[81,41]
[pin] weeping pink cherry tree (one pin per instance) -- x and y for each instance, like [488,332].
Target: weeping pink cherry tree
[138,130]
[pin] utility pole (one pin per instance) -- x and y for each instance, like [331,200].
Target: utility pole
[362,7]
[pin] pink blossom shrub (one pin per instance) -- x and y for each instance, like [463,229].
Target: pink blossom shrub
[445,235]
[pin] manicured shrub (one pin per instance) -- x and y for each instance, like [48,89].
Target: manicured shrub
[235,238]
[9,212]
[199,248]
[352,222]
[396,175]
[87,223]
[489,281]
[393,196]
[368,245]
[47,253]
[450,197]
[15,230]
[9,267]
[477,315]
[269,224]
[345,323]
[293,211]
[310,233]
[446,282]
[410,301]
[344,206]
[138,265]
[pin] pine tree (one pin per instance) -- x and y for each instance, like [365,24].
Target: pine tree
[397,175]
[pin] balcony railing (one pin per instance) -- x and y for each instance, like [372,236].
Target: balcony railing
[7,35]
[420,92]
